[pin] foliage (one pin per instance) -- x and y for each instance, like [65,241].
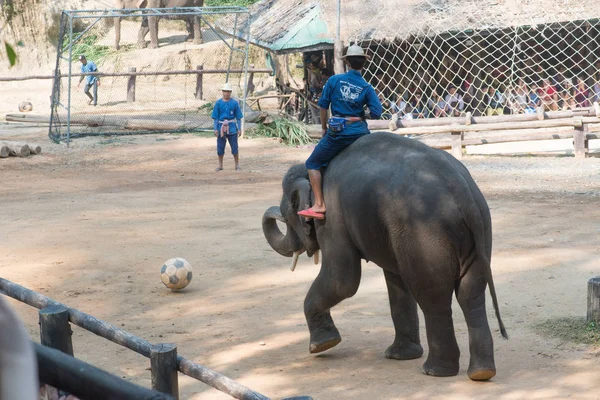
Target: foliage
[8,9]
[207,107]
[10,52]
[572,329]
[93,52]
[289,132]
[240,3]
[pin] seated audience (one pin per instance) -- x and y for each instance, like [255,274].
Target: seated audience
[582,94]
[549,95]
[567,95]
[494,102]
[454,102]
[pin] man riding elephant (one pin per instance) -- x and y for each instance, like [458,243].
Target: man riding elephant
[415,212]
[347,94]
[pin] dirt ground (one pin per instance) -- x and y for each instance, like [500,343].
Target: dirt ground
[91,225]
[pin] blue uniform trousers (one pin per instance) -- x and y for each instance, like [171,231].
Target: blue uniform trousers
[222,141]
[330,146]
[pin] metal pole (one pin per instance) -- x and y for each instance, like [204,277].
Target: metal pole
[339,12]
[246,72]
[338,47]
[232,49]
[69,85]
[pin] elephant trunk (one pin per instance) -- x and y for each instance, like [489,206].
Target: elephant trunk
[287,244]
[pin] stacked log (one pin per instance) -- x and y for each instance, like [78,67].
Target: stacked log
[18,149]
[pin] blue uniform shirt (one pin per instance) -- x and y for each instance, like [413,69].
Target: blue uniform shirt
[89,67]
[347,94]
[229,110]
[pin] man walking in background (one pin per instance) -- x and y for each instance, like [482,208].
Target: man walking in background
[227,116]
[91,81]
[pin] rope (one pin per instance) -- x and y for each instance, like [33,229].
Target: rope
[449,58]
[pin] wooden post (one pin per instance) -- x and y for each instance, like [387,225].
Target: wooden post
[580,141]
[250,85]
[457,145]
[540,113]
[131,85]
[55,330]
[593,300]
[199,93]
[338,52]
[86,381]
[468,118]
[163,362]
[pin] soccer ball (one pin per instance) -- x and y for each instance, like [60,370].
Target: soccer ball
[176,273]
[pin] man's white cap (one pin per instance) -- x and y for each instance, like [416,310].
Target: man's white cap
[355,51]
[227,87]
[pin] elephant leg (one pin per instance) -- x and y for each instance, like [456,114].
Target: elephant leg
[338,280]
[117,21]
[153,25]
[471,297]
[141,43]
[407,344]
[444,354]
[197,31]
[189,28]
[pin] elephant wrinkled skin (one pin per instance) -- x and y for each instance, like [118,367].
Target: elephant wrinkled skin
[417,213]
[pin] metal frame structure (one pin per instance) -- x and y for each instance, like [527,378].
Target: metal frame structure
[68,17]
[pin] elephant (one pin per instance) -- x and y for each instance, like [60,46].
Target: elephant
[150,24]
[417,213]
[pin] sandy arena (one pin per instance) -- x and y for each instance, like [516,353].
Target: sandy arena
[90,226]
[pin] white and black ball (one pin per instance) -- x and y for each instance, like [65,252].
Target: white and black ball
[176,273]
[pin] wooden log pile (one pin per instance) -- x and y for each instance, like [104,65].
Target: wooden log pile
[18,149]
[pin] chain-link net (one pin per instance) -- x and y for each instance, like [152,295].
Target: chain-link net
[439,58]
[139,79]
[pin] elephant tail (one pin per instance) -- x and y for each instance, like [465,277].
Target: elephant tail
[490,282]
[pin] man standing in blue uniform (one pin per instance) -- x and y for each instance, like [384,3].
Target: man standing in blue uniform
[227,116]
[91,81]
[347,94]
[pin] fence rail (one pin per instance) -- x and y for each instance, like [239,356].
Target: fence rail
[85,381]
[156,73]
[132,342]
[470,130]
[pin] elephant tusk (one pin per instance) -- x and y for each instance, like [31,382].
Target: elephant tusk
[316,257]
[294,260]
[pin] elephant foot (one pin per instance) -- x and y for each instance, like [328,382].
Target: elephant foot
[481,374]
[198,41]
[324,339]
[440,369]
[481,370]
[153,46]
[141,45]
[404,351]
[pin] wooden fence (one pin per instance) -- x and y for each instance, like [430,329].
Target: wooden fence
[132,73]
[580,124]
[85,381]
[55,332]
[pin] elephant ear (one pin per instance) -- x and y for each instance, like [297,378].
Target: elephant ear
[301,200]
[301,195]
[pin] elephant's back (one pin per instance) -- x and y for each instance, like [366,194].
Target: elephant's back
[394,181]
[396,162]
